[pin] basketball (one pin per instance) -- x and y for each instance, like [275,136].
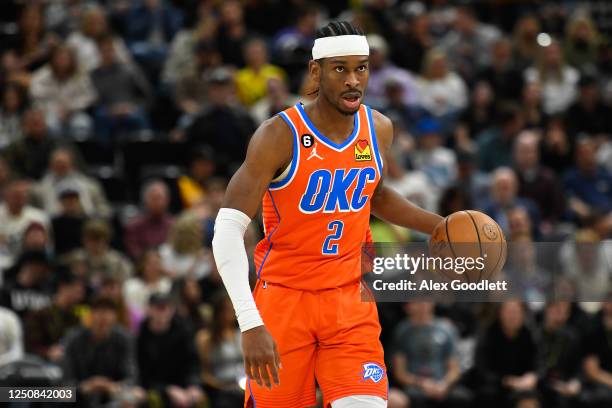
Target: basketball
[469,235]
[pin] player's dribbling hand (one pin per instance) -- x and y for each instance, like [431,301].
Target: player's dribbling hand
[261,358]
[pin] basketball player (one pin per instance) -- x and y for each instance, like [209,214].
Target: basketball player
[305,318]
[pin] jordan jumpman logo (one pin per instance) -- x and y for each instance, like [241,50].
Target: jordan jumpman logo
[314,153]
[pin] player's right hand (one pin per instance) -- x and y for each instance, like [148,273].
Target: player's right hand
[261,357]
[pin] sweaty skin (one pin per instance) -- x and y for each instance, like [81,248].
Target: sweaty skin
[342,81]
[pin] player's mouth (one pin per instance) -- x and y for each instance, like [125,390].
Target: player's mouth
[351,100]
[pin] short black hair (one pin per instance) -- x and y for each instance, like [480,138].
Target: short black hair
[103,302]
[336,28]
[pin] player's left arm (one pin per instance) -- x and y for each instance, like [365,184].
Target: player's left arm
[387,204]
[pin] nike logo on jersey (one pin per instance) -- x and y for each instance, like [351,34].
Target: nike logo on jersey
[330,193]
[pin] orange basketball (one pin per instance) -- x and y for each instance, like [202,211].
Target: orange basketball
[469,235]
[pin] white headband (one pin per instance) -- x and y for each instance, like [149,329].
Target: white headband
[339,46]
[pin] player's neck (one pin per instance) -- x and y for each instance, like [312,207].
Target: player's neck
[333,124]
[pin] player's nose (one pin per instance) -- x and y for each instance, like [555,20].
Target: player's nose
[352,81]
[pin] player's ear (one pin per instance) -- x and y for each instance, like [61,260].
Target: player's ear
[314,69]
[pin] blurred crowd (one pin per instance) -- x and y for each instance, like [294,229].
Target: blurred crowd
[121,122]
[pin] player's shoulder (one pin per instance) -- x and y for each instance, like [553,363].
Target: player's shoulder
[272,143]
[273,131]
[383,127]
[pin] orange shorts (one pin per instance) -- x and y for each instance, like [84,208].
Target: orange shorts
[328,335]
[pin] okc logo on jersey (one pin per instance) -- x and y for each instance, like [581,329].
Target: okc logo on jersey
[372,371]
[362,150]
[330,192]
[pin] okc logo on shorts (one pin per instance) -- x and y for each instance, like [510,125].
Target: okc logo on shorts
[372,371]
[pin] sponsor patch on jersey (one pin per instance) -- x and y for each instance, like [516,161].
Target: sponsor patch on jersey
[372,371]
[362,150]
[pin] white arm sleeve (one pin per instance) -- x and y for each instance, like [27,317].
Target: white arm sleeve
[233,265]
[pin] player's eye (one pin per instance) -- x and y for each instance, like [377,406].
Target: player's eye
[362,68]
[339,69]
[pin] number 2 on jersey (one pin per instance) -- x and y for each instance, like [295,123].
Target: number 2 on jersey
[329,247]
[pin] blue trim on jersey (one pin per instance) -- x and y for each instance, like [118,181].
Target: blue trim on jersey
[294,159]
[251,392]
[269,237]
[324,139]
[379,161]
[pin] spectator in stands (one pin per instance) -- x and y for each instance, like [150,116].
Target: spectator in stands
[292,46]
[151,279]
[11,337]
[479,116]
[589,114]
[495,144]
[428,370]
[277,99]
[501,72]
[414,185]
[31,44]
[188,45]
[63,17]
[96,261]
[29,155]
[123,94]
[26,286]
[46,328]
[504,196]
[184,254]
[528,280]
[64,92]
[468,44]
[36,238]
[582,42]
[537,182]
[598,362]
[440,91]
[192,87]
[584,261]
[63,175]
[151,228]
[193,186]
[411,42]
[193,300]
[531,104]
[436,161]
[100,360]
[232,32]
[453,199]
[588,185]
[15,217]
[559,357]
[167,358]
[252,80]
[67,225]
[221,356]
[223,125]
[93,26]
[524,38]
[506,357]
[558,79]
[519,224]
[556,146]
[382,71]
[128,317]
[148,27]
[12,105]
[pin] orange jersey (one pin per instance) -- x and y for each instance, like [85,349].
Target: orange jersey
[316,214]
